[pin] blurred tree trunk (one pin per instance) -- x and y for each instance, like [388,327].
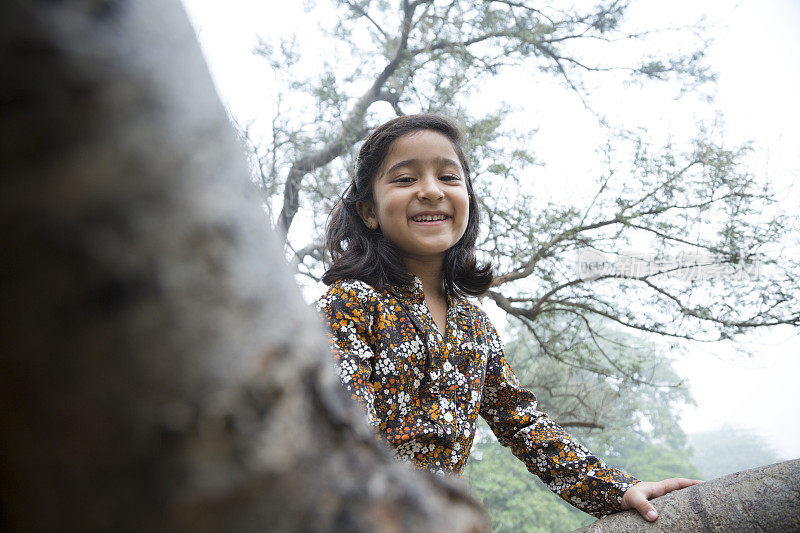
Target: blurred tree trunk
[760,499]
[159,369]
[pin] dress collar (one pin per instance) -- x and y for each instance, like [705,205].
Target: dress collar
[414,294]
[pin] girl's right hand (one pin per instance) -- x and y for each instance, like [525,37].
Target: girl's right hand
[638,496]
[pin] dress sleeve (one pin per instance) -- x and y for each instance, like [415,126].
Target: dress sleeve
[349,324]
[565,466]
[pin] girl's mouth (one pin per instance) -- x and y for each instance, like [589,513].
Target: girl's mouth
[429,218]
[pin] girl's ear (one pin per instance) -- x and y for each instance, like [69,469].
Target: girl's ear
[367,213]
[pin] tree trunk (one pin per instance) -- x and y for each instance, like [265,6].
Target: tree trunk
[159,368]
[762,499]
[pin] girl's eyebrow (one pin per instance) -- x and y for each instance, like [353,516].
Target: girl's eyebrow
[441,161]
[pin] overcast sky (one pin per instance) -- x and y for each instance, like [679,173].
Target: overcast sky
[756,51]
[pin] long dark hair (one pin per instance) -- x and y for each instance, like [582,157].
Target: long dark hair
[358,252]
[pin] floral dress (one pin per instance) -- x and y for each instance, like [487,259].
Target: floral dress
[423,389]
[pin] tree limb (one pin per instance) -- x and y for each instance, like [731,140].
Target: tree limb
[351,130]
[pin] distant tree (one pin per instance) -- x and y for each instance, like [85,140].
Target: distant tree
[730,449]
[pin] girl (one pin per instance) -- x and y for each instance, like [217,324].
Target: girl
[422,359]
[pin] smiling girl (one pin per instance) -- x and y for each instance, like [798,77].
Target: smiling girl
[422,359]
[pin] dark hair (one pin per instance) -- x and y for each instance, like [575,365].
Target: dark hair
[358,252]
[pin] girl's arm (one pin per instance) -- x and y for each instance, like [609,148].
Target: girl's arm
[566,467]
[349,324]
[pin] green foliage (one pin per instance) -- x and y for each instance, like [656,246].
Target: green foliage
[516,500]
[653,461]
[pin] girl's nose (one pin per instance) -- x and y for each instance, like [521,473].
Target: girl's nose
[430,189]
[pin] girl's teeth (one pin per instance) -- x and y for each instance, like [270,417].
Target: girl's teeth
[429,218]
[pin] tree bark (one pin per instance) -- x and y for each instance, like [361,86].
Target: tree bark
[159,368]
[762,499]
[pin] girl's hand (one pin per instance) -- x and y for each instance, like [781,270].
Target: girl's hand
[636,497]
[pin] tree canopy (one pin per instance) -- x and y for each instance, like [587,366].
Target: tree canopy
[669,238]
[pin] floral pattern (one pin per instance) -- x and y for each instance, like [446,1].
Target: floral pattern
[423,389]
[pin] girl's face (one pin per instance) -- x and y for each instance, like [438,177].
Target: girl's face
[420,200]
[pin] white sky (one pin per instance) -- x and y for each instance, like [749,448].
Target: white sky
[756,54]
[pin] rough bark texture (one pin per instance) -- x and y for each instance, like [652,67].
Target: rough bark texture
[762,499]
[159,368]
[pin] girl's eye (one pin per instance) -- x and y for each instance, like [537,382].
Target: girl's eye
[403,179]
[450,177]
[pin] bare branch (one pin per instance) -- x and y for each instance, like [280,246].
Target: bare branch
[580,424]
[356,8]
[512,4]
[352,129]
[527,269]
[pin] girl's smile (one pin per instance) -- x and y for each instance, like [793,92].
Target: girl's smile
[420,200]
[428,218]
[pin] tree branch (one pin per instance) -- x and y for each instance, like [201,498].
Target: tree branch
[352,126]
[356,8]
[580,424]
